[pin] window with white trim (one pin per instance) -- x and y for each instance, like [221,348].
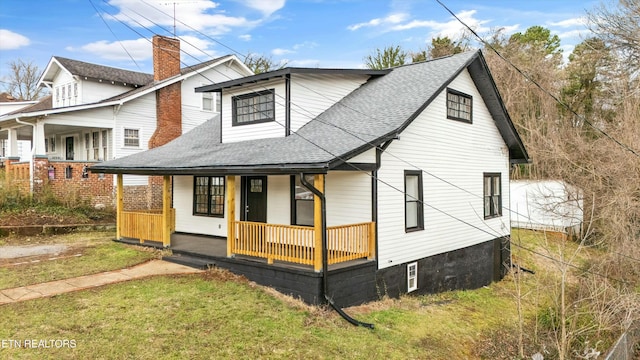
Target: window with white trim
[132,137]
[96,145]
[52,144]
[412,277]
[459,106]
[413,205]
[492,195]
[105,145]
[252,108]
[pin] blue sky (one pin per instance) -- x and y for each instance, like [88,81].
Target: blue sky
[311,33]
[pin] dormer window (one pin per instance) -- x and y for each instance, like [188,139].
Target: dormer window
[252,108]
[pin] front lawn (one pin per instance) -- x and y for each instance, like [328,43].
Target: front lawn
[87,253]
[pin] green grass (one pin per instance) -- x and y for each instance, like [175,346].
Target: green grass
[207,316]
[221,316]
[98,253]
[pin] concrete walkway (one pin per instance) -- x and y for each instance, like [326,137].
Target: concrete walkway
[150,268]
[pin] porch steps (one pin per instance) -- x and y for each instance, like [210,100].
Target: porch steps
[188,260]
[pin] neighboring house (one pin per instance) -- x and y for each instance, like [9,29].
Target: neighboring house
[9,104]
[549,205]
[345,183]
[96,113]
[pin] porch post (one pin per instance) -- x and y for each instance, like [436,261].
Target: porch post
[12,143]
[231,214]
[166,211]
[318,183]
[372,241]
[119,206]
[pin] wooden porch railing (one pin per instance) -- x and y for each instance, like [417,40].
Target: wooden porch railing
[145,224]
[296,243]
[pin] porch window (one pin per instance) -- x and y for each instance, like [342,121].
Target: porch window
[459,106]
[96,145]
[208,196]
[413,204]
[256,107]
[492,195]
[87,144]
[105,144]
[132,137]
[301,202]
[52,144]
[46,145]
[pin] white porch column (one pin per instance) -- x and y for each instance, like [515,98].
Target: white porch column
[12,143]
[38,139]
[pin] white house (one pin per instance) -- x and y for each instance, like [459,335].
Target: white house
[343,184]
[97,113]
[9,104]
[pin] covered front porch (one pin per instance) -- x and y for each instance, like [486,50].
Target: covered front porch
[278,244]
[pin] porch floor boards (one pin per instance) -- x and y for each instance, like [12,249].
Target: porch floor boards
[202,246]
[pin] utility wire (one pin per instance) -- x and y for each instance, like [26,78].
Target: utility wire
[533,81]
[400,190]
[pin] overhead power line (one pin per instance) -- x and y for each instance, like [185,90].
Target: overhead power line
[490,232]
[533,81]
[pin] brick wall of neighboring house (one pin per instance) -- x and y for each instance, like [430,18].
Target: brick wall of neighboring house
[67,180]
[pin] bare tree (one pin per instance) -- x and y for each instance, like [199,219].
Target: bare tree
[23,80]
[262,63]
[619,27]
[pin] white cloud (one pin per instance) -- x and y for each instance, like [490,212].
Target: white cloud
[579,21]
[245,37]
[391,19]
[139,49]
[266,7]
[189,15]
[193,50]
[451,28]
[10,40]
[280,52]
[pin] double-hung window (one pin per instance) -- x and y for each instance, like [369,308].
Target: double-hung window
[459,106]
[302,206]
[131,137]
[492,195]
[252,108]
[413,204]
[208,196]
[96,145]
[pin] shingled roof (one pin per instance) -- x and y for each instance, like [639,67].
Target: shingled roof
[369,116]
[101,72]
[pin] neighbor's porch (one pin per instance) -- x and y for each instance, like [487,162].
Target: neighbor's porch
[271,242]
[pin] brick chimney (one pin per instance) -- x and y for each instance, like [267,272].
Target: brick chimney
[166,64]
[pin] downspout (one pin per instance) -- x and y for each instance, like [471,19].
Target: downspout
[325,264]
[33,155]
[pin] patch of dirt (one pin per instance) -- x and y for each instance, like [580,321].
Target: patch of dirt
[27,260]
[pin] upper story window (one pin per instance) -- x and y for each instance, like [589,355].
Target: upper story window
[413,204]
[57,95]
[256,107]
[132,137]
[492,195]
[459,106]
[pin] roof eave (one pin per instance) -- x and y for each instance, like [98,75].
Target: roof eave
[275,169]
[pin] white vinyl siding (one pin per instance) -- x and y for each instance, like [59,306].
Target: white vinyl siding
[456,151]
[186,221]
[348,196]
[269,129]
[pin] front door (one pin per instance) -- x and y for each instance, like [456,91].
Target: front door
[254,189]
[69,149]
